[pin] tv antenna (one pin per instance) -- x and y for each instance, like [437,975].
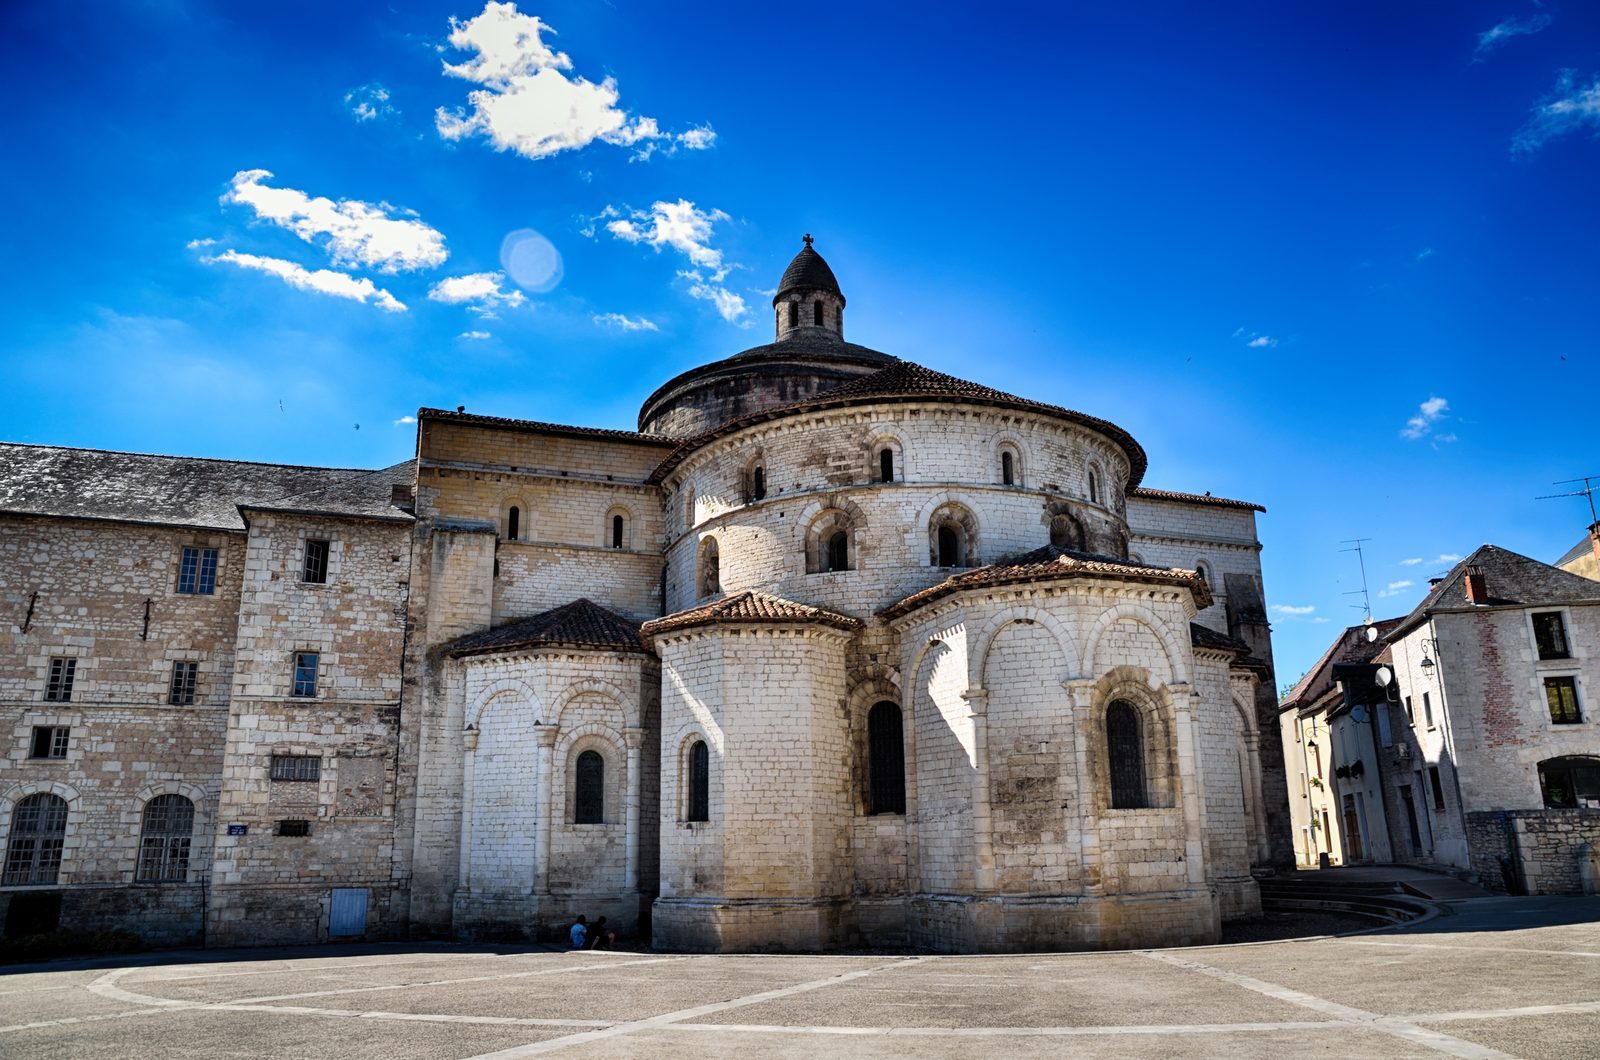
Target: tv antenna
[1589,487]
[1366,600]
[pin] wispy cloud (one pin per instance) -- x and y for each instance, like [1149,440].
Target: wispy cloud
[322,281]
[474,336]
[1293,609]
[1395,588]
[481,292]
[1429,413]
[532,103]
[1425,253]
[1490,39]
[1254,339]
[404,421]
[686,228]
[622,322]
[1568,108]
[352,232]
[1448,557]
[369,103]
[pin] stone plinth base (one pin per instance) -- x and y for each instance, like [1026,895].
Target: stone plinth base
[287,914]
[713,925]
[1238,898]
[540,917]
[1003,924]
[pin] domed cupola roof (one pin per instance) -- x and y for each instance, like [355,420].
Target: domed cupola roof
[807,272]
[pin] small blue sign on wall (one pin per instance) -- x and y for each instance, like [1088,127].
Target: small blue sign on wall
[238,829]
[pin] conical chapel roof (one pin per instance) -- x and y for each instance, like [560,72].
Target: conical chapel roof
[807,272]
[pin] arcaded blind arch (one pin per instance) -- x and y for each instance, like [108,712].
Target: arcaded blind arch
[38,832]
[1065,532]
[886,759]
[165,835]
[699,802]
[1125,756]
[589,787]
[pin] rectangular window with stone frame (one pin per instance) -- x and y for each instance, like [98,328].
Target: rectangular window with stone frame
[1561,695]
[293,768]
[58,686]
[314,569]
[197,571]
[1550,634]
[185,679]
[50,741]
[304,685]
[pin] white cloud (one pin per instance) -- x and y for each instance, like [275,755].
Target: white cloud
[731,306]
[699,138]
[405,420]
[681,225]
[480,292]
[369,102]
[1395,588]
[1291,609]
[531,102]
[1491,39]
[625,323]
[1261,341]
[1412,562]
[1429,413]
[1568,108]
[357,233]
[474,336]
[199,244]
[1448,557]
[323,281]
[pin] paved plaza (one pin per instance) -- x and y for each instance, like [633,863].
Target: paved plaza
[1494,977]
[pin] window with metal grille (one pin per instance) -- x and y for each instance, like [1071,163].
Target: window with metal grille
[886,465]
[38,832]
[296,767]
[839,551]
[305,674]
[197,571]
[699,782]
[1550,632]
[294,827]
[185,678]
[315,569]
[58,688]
[1125,754]
[1562,695]
[164,840]
[886,759]
[50,741]
[589,789]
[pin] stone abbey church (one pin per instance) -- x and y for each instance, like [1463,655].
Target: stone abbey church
[835,651]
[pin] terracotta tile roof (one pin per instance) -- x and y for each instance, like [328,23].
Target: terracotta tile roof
[904,381]
[1192,498]
[535,427]
[1510,578]
[1351,646]
[580,624]
[187,491]
[1047,564]
[749,607]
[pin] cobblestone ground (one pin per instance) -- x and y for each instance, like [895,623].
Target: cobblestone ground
[1497,977]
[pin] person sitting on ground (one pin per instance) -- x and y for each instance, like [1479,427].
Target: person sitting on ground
[601,937]
[580,929]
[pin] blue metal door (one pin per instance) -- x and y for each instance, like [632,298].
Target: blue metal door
[347,913]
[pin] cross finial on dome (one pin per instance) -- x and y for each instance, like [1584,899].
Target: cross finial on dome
[808,239]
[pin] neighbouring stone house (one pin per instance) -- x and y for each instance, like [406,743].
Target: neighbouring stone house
[1479,718]
[835,650]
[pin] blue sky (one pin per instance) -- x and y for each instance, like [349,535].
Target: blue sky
[1336,258]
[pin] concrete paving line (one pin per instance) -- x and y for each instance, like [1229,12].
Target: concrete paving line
[412,1017]
[667,1018]
[1009,1032]
[1490,949]
[1507,1013]
[1393,1025]
[106,986]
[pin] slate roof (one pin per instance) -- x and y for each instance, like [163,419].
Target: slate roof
[749,607]
[807,272]
[1582,548]
[186,491]
[580,624]
[1192,498]
[1206,637]
[1351,646]
[1511,579]
[536,427]
[369,497]
[1047,564]
[905,381]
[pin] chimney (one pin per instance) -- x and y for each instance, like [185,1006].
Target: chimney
[1433,583]
[1477,591]
[400,495]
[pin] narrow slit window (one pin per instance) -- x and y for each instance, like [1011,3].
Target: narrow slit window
[816,313]
[513,523]
[1094,487]
[886,466]
[616,531]
[758,483]
[1008,472]
[794,314]
[589,788]
[699,782]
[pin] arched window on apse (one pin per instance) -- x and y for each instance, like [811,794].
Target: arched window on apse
[886,465]
[1066,533]
[1094,486]
[838,557]
[513,523]
[699,802]
[164,838]
[1008,470]
[949,546]
[758,482]
[617,528]
[1125,756]
[886,759]
[589,789]
[710,568]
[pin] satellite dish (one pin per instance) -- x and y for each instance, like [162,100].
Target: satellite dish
[1383,676]
[1372,634]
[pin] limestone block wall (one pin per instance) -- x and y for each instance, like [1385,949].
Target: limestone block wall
[1544,846]
[1220,540]
[537,577]
[945,758]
